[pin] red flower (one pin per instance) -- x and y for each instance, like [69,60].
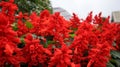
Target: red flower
[9,8]
[98,19]
[75,21]
[89,18]
[8,49]
[99,56]
[4,21]
[61,57]
[34,53]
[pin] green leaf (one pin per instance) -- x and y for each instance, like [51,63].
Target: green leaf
[109,64]
[45,45]
[115,58]
[29,25]
[114,62]
[115,54]
[50,42]
[117,62]
[14,26]
[22,40]
[72,35]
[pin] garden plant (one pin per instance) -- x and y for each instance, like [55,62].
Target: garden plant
[49,40]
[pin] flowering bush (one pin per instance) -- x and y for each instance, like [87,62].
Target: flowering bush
[48,40]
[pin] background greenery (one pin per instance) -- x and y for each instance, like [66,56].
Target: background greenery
[33,5]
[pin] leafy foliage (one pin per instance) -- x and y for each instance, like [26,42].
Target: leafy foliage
[28,6]
[115,60]
[33,5]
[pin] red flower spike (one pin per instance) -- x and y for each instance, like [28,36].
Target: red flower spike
[89,18]
[61,57]
[75,21]
[34,52]
[99,56]
[44,14]
[9,8]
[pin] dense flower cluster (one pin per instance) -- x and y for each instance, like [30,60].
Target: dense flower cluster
[48,40]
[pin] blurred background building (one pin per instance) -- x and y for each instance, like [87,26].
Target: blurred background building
[83,7]
[63,12]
